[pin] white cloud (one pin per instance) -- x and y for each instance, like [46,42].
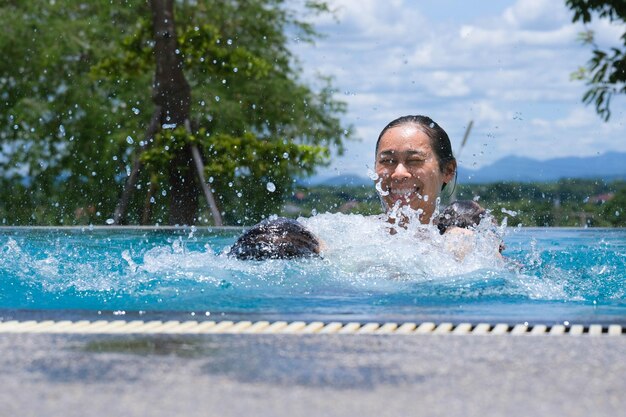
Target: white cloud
[577,118]
[448,84]
[606,34]
[539,15]
[502,37]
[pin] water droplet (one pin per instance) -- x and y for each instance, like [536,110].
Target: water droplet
[372,175]
[136,110]
[509,212]
[270,187]
[109,221]
[286,155]
[217,98]
[379,188]
[129,140]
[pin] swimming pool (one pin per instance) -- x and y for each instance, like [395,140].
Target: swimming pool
[550,276]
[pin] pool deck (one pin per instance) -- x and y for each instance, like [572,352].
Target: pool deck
[463,373]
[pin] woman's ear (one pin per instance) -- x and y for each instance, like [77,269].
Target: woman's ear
[449,171]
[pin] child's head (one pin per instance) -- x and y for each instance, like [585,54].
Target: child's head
[279,238]
[464,213]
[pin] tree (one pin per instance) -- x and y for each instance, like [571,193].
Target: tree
[172,99]
[605,73]
[256,124]
[614,210]
[58,160]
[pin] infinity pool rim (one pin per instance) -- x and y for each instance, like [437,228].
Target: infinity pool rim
[193,327]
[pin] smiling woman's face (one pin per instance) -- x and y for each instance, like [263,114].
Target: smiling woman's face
[409,169]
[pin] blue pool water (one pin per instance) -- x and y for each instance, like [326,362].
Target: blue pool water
[547,276]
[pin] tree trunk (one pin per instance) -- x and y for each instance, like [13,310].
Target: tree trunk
[172,96]
[172,93]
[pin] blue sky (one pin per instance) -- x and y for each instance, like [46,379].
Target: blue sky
[505,64]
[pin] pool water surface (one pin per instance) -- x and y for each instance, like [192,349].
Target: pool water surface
[547,275]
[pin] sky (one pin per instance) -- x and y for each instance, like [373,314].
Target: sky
[504,64]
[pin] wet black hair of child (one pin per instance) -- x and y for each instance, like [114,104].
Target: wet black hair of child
[279,238]
[463,213]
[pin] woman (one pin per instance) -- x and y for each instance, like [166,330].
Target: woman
[414,163]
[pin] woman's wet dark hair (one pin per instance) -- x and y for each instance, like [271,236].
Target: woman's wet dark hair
[279,238]
[439,140]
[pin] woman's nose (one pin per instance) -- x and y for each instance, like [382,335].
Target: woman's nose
[400,172]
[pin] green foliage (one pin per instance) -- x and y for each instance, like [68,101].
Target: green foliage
[605,73]
[564,203]
[305,201]
[242,166]
[614,211]
[55,124]
[75,101]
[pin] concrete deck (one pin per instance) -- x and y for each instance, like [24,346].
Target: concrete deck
[312,375]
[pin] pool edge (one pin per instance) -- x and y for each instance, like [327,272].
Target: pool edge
[157,327]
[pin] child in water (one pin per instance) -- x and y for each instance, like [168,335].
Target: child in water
[457,218]
[463,214]
[278,238]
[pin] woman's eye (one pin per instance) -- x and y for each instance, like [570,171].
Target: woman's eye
[386,161]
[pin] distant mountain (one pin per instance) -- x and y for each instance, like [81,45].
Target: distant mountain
[337,181]
[609,166]
[353,180]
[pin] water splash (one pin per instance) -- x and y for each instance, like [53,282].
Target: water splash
[363,267]
[379,188]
